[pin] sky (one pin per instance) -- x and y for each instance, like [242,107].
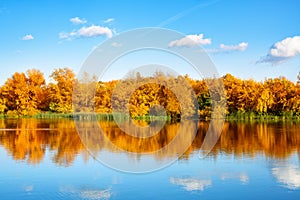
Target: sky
[248,39]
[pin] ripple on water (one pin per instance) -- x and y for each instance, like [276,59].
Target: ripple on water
[85,193]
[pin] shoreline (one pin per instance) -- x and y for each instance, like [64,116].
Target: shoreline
[238,117]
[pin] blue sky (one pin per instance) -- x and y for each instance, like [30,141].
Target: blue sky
[249,39]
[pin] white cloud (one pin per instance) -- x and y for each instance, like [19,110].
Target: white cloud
[190,41]
[289,175]
[90,31]
[28,37]
[239,47]
[282,50]
[77,20]
[109,20]
[116,44]
[286,48]
[93,31]
[228,48]
[191,184]
[63,35]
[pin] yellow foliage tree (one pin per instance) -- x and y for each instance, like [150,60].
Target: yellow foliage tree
[60,91]
[25,95]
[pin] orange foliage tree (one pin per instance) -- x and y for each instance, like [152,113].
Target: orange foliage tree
[28,94]
[25,94]
[60,91]
[2,102]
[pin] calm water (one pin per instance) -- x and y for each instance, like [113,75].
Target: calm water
[42,159]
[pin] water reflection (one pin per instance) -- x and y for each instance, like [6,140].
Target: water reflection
[86,193]
[287,174]
[191,184]
[29,139]
[197,184]
[243,177]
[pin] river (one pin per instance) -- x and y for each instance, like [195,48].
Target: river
[48,159]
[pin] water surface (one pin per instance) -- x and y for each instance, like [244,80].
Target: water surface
[45,159]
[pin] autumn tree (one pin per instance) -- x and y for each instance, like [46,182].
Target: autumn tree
[265,101]
[295,101]
[15,92]
[2,102]
[144,96]
[37,89]
[282,91]
[25,95]
[60,91]
[84,93]
[181,99]
[28,94]
[200,88]
[233,89]
[103,96]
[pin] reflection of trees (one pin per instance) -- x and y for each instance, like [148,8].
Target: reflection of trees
[272,139]
[29,139]
[169,134]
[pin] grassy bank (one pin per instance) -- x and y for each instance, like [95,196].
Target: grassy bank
[98,116]
[51,115]
[251,116]
[237,116]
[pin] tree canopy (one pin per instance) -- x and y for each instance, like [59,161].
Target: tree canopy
[26,94]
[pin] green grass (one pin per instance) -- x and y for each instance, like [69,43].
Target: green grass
[150,118]
[252,116]
[236,116]
[80,116]
[50,115]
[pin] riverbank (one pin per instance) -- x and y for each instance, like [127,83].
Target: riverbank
[238,116]
[251,116]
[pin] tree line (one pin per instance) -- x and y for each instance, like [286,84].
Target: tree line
[27,94]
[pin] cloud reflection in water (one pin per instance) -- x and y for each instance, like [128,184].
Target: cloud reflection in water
[288,174]
[190,184]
